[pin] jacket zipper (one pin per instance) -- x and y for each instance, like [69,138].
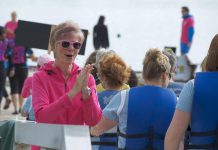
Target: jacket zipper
[65,85]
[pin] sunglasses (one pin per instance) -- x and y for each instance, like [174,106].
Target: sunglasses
[66,44]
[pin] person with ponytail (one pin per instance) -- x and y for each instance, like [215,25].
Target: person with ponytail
[144,113]
[113,73]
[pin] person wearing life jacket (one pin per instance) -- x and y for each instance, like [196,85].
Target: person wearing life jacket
[100,54]
[176,87]
[187,31]
[144,113]
[93,59]
[197,107]
[113,72]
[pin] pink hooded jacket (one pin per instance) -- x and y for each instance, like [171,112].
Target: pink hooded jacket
[51,103]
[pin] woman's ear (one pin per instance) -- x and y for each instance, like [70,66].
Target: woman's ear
[164,79]
[163,76]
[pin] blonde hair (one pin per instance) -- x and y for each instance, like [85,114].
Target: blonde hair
[211,63]
[154,64]
[64,28]
[203,64]
[172,59]
[14,13]
[113,69]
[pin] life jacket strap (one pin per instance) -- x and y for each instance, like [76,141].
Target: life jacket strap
[106,135]
[114,144]
[214,145]
[141,135]
[150,135]
[201,146]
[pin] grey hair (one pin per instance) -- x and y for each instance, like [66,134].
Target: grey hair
[100,55]
[172,59]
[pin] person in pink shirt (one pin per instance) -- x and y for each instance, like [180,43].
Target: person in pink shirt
[27,87]
[27,110]
[62,92]
[11,25]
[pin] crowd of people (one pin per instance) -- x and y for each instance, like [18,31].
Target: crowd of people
[104,94]
[13,64]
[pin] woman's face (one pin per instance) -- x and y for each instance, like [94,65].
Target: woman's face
[67,48]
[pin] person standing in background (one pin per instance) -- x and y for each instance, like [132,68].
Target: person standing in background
[100,34]
[176,87]
[27,109]
[11,25]
[18,69]
[187,31]
[3,48]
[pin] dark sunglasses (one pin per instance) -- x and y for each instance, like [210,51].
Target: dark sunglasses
[67,44]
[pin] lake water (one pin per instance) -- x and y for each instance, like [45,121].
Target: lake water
[142,24]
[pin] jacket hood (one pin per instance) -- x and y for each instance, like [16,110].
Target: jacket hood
[187,16]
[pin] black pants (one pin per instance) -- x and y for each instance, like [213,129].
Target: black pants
[5,93]
[2,80]
[17,81]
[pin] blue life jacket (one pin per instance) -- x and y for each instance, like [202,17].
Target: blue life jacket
[105,97]
[150,111]
[204,118]
[107,141]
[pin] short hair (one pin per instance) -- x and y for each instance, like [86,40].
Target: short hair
[92,58]
[113,69]
[154,64]
[185,8]
[212,56]
[64,28]
[172,59]
[133,79]
[13,13]
[101,53]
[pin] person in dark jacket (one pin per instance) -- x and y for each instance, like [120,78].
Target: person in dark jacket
[100,34]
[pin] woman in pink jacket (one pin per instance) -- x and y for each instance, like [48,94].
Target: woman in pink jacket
[63,93]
